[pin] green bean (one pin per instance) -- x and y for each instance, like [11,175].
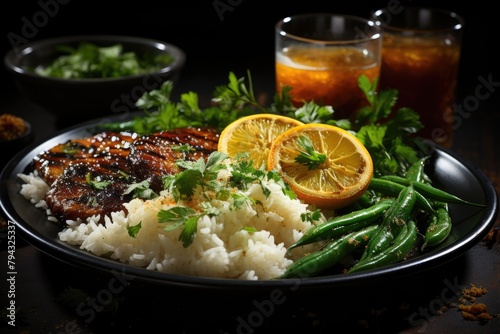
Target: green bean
[365,201]
[416,170]
[395,240]
[439,228]
[316,262]
[396,252]
[345,223]
[393,220]
[393,188]
[428,190]
[351,207]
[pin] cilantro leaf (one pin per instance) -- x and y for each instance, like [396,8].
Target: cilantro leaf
[285,187]
[133,230]
[311,216]
[186,183]
[309,157]
[186,148]
[141,190]
[177,217]
[240,200]
[96,184]
[391,141]
[189,231]
[249,229]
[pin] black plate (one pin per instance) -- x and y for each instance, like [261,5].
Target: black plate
[450,172]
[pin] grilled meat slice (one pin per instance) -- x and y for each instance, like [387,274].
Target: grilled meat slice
[156,155]
[94,186]
[51,164]
[104,158]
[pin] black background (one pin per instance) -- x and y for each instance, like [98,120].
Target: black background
[237,36]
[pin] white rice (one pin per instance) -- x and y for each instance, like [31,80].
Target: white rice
[222,246]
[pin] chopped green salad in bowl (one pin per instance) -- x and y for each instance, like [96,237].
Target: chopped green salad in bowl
[91,61]
[87,76]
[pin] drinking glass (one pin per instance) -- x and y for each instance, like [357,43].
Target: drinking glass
[420,58]
[320,56]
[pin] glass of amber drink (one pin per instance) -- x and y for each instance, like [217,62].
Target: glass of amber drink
[321,56]
[420,58]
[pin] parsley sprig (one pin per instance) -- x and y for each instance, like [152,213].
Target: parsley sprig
[308,156]
[390,137]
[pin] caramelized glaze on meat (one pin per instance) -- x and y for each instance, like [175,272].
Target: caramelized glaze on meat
[155,155]
[51,164]
[116,160]
[71,196]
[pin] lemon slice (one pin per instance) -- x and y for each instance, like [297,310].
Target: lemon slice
[337,179]
[254,135]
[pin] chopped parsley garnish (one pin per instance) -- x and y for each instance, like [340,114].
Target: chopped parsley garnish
[181,216]
[312,216]
[185,148]
[71,148]
[200,175]
[95,183]
[141,190]
[308,156]
[250,229]
[133,230]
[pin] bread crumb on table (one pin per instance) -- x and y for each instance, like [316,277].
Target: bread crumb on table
[471,310]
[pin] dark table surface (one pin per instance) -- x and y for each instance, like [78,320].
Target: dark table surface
[46,289]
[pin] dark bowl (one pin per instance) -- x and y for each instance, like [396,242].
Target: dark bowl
[88,98]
